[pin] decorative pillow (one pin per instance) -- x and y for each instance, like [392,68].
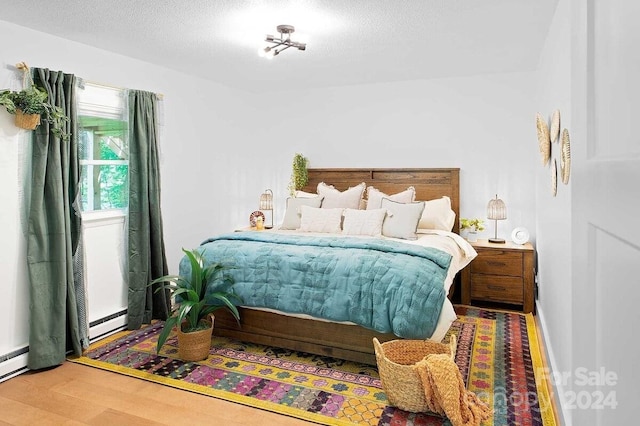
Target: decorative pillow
[437,214]
[375,196]
[292,214]
[402,219]
[302,194]
[363,222]
[348,199]
[320,220]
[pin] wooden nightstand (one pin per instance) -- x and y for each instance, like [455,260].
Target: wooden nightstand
[502,273]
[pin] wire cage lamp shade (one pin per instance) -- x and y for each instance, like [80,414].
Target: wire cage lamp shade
[266,205]
[496,210]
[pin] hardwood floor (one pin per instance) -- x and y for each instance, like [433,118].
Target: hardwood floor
[74,394]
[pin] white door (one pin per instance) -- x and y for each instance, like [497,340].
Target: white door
[606,212]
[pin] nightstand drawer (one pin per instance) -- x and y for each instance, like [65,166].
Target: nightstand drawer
[497,262]
[497,288]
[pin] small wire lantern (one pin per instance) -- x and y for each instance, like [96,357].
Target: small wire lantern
[496,210]
[266,205]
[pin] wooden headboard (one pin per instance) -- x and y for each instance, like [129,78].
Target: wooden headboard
[429,183]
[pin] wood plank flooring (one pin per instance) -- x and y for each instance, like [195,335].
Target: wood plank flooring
[74,394]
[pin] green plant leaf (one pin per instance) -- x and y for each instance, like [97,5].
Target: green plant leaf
[299,173]
[183,312]
[35,100]
[5,101]
[167,278]
[195,259]
[162,338]
[226,300]
[195,304]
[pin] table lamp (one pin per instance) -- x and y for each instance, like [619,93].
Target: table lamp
[496,210]
[266,204]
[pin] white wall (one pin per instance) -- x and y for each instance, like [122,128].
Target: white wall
[553,219]
[482,124]
[15,303]
[105,273]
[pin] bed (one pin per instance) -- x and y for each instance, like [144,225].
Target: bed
[333,336]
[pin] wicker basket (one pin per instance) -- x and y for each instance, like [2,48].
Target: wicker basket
[195,345]
[400,380]
[26,121]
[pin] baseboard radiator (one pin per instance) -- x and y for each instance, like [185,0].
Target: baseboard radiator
[108,325]
[15,362]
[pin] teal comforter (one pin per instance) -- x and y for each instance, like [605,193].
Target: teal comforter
[384,285]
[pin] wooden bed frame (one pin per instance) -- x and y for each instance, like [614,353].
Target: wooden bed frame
[319,337]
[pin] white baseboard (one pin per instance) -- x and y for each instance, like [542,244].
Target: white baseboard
[557,390]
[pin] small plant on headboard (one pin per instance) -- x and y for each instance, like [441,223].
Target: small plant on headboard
[299,174]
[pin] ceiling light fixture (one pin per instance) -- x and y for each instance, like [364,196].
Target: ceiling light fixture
[281,43]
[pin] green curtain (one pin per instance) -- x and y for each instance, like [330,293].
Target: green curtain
[54,231]
[147,260]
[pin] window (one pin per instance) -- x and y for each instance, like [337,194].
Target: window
[104,148]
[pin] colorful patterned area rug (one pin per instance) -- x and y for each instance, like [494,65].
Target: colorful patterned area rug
[498,356]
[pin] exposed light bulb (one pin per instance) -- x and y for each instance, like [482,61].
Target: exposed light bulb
[300,46]
[267,52]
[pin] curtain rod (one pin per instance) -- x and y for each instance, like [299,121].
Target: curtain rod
[18,67]
[159,96]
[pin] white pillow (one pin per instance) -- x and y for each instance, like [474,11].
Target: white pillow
[437,214]
[320,220]
[402,219]
[292,214]
[375,196]
[348,199]
[363,222]
[302,194]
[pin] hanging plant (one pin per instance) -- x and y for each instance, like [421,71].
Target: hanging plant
[299,174]
[30,104]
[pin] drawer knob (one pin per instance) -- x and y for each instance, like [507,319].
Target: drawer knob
[494,263]
[496,287]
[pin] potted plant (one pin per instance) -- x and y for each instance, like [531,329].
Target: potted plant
[29,105]
[299,174]
[32,102]
[200,294]
[473,226]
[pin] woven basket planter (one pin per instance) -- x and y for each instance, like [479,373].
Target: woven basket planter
[27,121]
[400,380]
[195,345]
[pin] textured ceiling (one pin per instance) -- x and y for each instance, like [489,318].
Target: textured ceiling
[349,41]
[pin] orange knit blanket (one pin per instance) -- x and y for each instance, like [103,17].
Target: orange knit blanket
[445,392]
